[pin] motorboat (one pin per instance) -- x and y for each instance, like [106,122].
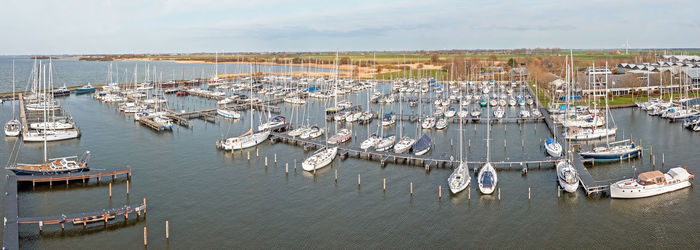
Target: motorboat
[652,183]
[13,128]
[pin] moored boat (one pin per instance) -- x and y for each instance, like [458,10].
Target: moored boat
[652,183]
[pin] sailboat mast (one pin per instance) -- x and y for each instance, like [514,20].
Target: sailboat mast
[43,79]
[13,88]
[607,123]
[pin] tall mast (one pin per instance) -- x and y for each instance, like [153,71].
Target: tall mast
[43,78]
[13,88]
[607,124]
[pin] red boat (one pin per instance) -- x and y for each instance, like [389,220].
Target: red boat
[182,93]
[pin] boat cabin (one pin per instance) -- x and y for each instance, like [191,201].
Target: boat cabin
[651,178]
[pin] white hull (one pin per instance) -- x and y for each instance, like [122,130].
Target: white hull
[243,142]
[567,176]
[51,135]
[554,149]
[51,125]
[483,187]
[459,179]
[320,159]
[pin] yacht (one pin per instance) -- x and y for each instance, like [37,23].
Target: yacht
[341,136]
[652,183]
[312,133]
[370,142]
[422,146]
[428,123]
[404,144]
[553,147]
[62,165]
[386,143]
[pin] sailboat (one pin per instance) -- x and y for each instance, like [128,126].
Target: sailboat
[47,130]
[487,178]
[13,127]
[567,176]
[459,179]
[386,143]
[320,159]
[248,139]
[405,142]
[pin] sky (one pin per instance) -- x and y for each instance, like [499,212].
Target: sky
[185,26]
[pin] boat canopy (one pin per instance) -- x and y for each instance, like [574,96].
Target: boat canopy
[651,177]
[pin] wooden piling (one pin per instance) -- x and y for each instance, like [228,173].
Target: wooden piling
[469,193]
[384,184]
[653,160]
[265,161]
[167,230]
[528,193]
[275,159]
[145,237]
[358,179]
[127,187]
[663,160]
[411,189]
[499,194]
[286,168]
[256,152]
[110,190]
[336,175]
[440,192]
[558,191]
[248,156]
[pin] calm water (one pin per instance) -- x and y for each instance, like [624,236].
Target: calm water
[71,72]
[214,199]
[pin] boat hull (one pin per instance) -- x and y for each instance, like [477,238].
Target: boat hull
[620,193]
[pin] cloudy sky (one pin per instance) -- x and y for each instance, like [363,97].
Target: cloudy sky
[155,26]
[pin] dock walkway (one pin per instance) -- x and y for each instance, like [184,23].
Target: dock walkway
[426,161]
[12,219]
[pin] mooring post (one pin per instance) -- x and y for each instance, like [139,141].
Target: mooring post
[167,230]
[145,237]
[558,192]
[41,225]
[127,187]
[499,194]
[528,193]
[653,160]
[663,160]
[110,190]
[286,168]
[295,165]
[411,190]
[275,159]
[358,179]
[336,175]
[384,184]
[256,152]
[248,156]
[440,192]
[469,193]
[265,161]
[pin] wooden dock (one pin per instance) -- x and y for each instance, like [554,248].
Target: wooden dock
[426,161]
[12,219]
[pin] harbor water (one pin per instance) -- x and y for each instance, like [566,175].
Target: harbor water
[217,199]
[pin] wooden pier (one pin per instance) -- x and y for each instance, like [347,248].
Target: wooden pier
[426,161]
[12,219]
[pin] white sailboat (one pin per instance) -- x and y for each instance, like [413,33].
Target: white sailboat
[248,139]
[459,179]
[320,159]
[14,126]
[487,178]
